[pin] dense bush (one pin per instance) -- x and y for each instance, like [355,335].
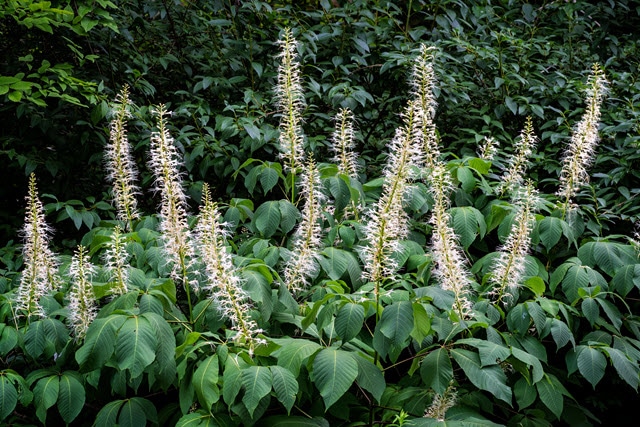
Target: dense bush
[440,257]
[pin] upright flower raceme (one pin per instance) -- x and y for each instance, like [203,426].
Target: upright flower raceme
[116,262]
[508,271]
[441,404]
[121,170]
[39,276]
[488,149]
[303,263]
[82,304]
[223,281]
[517,164]
[290,102]
[387,223]
[343,144]
[449,261]
[423,82]
[165,163]
[584,139]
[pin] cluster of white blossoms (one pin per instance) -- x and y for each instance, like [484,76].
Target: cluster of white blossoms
[514,174]
[165,163]
[579,155]
[488,149]
[120,166]
[290,103]
[441,404]
[39,276]
[82,302]
[343,144]
[423,83]
[116,262]
[508,270]
[302,264]
[222,278]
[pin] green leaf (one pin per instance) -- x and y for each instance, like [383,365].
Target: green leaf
[421,322]
[333,373]
[293,352]
[205,382]
[349,321]
[530,360]
[609,256]
[370,377]
[107,416]
[231,379]
[268,179]
[550,396]
[135,345]
[525,393]
[285,386]
[561,333]
[293,421]
[8,339]
[591,364]
[71,397]
[45,396]
[165,366]
[626,369]
[289,215]
[267,218]
[396,322]
[257,383]
[99,342]
[590,310]
[490,352]
[550,231]
[489,378]
[468,222]
[436,370]
[132,414]
[8,397]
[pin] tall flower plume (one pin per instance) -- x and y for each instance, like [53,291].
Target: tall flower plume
[343,144]
[303,262]
[423,81]
[39,276]
[290,102]
[121,169]
[508,271]
[82,303]
[387,222]
[441,404]
[116,262]
[165,162]
[223,281]
[514,175]
[584,140]
[450,267]
[488,149]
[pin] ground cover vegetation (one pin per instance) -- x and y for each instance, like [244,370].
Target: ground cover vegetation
[319,213]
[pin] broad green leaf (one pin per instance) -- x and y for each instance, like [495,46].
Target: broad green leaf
[561,333]
[333,373]
[349,321]
[489,378]
[293,352]
[490,353]
[609,256]
[99,342]
[71,397]
[612,312]
[289,215]
[334,262]
[231,379]
[591,364]
[205,382]
[45,395]
[468,222]
[257,383]
[531,360]
[285,386]
[132,414]
[627,369]
[550,396]
[268,179]
[421,322]
[436,370]
[396,322]
[267,218]
[136,345]
[370,377]
[8,397]
[590,309]
[8,338]
[550,231]
[165,366]
[525,393]
[108,415]
[293,421]
[626,278]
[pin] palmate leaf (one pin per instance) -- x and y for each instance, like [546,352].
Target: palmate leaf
[333,373]
[8,397]
[257,382]
[135,345]
[285,386]
[231,379]
[99,342]
[71,397]
[489,378]
[436,370]
[205,382]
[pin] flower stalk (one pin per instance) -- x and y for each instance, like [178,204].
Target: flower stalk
[116,262]
[82,304]
[513,177]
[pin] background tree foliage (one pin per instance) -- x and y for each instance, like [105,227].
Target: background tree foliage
[214,64]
